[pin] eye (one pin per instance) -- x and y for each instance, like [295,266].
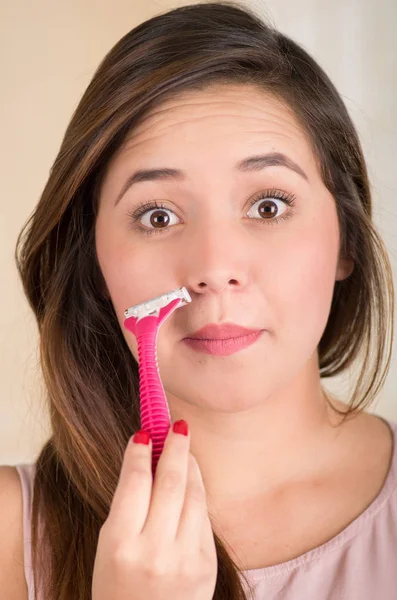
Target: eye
[270,204]
[158,219]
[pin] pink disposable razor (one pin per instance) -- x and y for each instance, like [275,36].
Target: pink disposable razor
[144,321]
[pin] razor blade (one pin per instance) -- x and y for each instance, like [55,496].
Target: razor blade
[152,307]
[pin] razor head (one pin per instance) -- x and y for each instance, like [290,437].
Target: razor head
[152,307]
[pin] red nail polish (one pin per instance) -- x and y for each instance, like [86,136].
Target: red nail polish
[180,427]
[141,437]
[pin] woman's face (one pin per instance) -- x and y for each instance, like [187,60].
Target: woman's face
[218,235]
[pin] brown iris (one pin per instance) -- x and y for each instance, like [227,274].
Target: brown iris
[268,208]
[163,218]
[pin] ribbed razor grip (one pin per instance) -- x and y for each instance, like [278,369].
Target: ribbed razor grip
[155,414]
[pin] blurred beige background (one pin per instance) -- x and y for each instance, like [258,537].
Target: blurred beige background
[49,51]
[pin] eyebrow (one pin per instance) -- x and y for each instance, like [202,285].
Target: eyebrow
[252,163]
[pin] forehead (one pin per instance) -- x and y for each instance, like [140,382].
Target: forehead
[222,123]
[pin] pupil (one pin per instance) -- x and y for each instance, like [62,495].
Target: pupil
[266,209]
[161,218]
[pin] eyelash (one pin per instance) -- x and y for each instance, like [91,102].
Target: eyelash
[289,199]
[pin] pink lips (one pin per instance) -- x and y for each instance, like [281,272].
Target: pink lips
[223,340]
[213,331]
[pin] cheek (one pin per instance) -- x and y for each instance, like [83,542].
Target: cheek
[306,283]
[131,275]
[118,264]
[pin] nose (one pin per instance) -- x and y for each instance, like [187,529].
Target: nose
[214,283]
[217,257]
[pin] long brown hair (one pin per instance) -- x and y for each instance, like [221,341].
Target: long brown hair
[89,372]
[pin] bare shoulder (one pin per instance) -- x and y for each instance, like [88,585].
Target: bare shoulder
[370,445]
[380,442]
[12,575]
[376,436]
[372,434]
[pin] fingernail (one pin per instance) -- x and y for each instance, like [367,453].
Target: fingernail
[180,427]
[141,437]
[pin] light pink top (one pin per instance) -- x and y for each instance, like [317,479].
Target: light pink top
[360,563]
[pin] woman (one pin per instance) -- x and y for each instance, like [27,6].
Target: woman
[209,151]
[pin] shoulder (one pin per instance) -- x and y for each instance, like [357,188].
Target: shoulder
[12,575]
[372,437]
[371,455]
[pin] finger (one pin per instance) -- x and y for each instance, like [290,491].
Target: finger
[169,487]
[195,526]
[131,500]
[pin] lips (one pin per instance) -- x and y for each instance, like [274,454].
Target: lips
[222,332]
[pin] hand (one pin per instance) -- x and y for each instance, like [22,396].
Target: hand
[157,543]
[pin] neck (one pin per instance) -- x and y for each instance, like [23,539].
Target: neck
[290,435]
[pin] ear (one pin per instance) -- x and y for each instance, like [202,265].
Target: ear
[344,269]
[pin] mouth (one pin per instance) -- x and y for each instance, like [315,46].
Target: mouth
[222,331]
[223,346]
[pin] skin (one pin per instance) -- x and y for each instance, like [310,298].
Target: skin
[259,421]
